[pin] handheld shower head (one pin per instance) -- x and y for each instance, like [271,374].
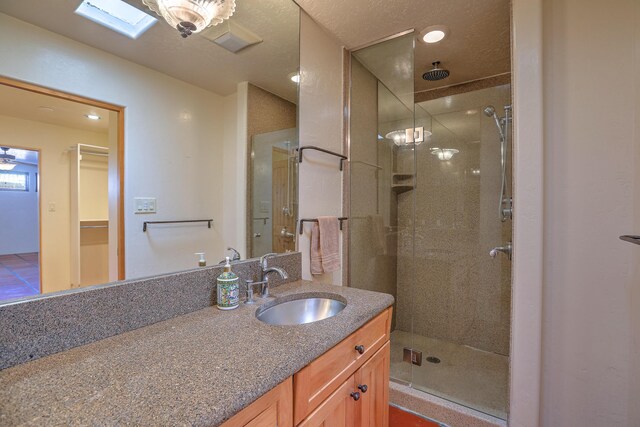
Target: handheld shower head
[489,111]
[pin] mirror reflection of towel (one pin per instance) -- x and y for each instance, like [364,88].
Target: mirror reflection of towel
[325,245]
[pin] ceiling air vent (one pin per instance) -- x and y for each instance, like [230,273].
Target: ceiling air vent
[231,36]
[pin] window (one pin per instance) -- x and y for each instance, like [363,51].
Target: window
[14,181]
[117,16]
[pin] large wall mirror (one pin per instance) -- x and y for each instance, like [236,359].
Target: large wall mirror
[126,151]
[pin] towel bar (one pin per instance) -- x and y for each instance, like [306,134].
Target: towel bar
[303,220]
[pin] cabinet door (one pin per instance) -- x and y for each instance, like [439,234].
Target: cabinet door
[274,409]
[338,410]
[373,377]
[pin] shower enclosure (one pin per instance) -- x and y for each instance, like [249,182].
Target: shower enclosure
[429,199]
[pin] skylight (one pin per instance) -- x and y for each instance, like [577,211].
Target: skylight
[117,16]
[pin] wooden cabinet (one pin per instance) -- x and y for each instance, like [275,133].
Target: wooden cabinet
[348,386]
[273,409]
[374,403]
[338,410]
[316,381]
[361,401]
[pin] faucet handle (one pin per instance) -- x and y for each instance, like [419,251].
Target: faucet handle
[263,259]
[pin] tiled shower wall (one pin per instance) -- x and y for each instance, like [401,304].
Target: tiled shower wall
[458,293]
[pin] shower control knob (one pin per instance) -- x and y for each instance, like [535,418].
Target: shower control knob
[360,349]
[363,388]
[356,396]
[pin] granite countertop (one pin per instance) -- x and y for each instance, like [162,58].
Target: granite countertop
[197,369]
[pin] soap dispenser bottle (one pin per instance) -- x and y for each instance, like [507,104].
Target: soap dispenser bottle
[201,262]
[228,291]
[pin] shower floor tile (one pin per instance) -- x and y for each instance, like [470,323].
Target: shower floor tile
[465,375]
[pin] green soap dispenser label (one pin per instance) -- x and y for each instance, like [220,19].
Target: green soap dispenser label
[228,295]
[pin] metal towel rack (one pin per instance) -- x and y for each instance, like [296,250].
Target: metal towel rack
[144,225]
[313,147]
[303,220]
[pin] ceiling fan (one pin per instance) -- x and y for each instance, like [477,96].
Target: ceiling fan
[8,161]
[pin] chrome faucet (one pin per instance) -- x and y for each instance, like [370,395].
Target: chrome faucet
[235,257]
[264,274]
[506,249]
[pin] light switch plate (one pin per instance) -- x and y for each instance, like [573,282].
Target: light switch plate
[144,205]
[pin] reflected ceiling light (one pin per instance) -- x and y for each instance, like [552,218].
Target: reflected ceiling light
[434,34]
[295,77]
[192,16]
[45,108]
[92,116]
[444,154]
[404,137]
[471,112]
[7,161]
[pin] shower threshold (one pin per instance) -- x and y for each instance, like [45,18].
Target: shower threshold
[465,375]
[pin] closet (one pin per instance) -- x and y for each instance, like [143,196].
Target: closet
[89,184]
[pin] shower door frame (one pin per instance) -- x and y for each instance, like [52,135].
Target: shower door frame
[528,201]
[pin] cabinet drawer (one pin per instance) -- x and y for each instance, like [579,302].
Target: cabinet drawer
[315,382]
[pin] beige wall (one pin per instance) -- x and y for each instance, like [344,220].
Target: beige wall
[94,188]
[592,105]
[53,143]
[320,112]
[174,134]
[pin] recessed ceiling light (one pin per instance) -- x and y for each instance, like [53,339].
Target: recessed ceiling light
[434,34]
[117,16]
[92,116]
[295,77]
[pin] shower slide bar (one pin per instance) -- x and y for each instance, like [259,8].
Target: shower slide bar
[144,224]
[303,220]
[313,147]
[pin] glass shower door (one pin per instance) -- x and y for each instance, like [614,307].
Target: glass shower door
[381,183]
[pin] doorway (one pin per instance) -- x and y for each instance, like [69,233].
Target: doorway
[20,221]
[76,180]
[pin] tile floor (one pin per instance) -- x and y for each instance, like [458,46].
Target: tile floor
[19,275]
[465,375]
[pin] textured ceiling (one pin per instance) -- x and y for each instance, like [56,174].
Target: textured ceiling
[194,60]
[477,46]
[26,105]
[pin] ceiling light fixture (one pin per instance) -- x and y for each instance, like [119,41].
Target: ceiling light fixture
[192,16]
[92,116]
[444,154]
[434,34]
[406,137]
[7,161]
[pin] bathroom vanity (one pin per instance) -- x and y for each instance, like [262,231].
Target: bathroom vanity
[211,368]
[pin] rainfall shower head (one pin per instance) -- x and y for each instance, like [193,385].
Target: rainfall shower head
[436,73]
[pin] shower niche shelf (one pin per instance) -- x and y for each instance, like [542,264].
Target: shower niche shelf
[403,182]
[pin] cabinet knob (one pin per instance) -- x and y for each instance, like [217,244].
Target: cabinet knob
[360,349]
[363,388]
[356,396]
